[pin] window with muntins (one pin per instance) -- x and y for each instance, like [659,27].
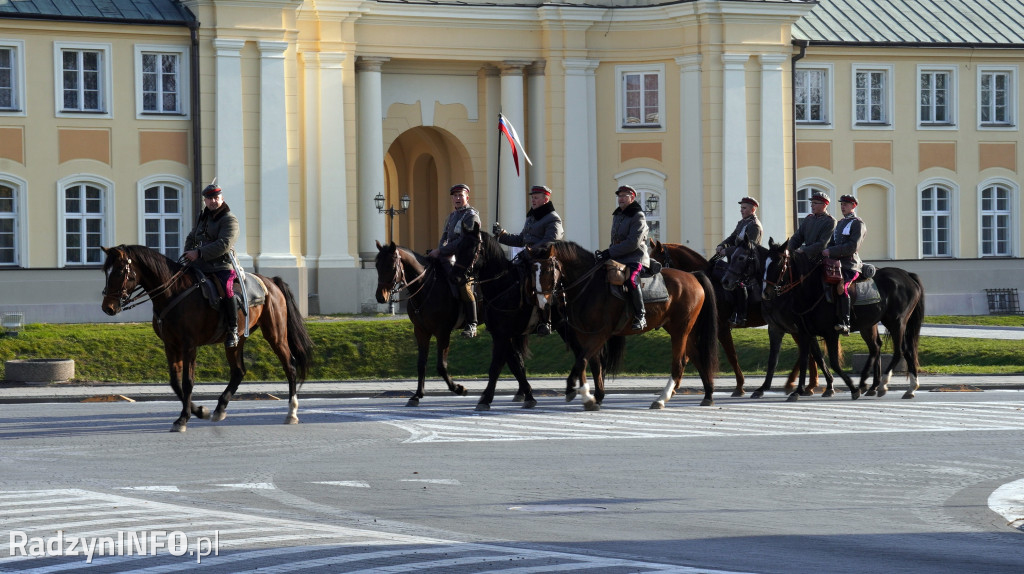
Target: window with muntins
[163,220]
[803,201]
[811,97]
[8,76]
[995,98]
[160,83]
[83,224]
[8,226]
[653,217]
[935,97]
[871,97]
[995,221]
[935,221]
[82,80]
[641,99]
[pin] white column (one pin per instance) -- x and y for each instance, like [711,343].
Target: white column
[275,219]
[536,91]
[228,140]
[734,137]
[691,154]
[512,186]
[371,155]
[332,211]
[581,186]
[772,211]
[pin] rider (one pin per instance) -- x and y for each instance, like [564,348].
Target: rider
[461,218]
[846,240]
[815,230]
[543,225]
[209,246]
[629,246]
[748,229]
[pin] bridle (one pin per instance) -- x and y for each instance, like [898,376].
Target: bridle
[556,271]
[129,298]
[398,279]
[784,282]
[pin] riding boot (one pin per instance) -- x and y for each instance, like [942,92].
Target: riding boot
[639,318]
[739,315]
[229,305]
[469,308]
[844,315]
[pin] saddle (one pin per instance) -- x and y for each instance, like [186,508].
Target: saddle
[862,292]
[213,291]
[652,287]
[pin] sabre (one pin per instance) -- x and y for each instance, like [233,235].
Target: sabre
[241,285]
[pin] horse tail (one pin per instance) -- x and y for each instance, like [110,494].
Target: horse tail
[299,342]
[707,328]
[913,334]
[613,354]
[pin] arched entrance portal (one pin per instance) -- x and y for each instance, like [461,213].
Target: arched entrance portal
[424,162]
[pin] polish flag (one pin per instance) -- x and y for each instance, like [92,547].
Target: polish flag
[513,140]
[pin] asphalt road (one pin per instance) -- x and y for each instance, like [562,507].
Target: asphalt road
[368,485]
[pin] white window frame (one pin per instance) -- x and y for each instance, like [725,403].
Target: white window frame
[183,82]
[826,100]
[954,224]
[105,81]
[1011,212]
[620,98]
[17,48]
[1011,124]
[886,99]
[20,187]
[108,214]
[952,98]
[807,187]
[183,186]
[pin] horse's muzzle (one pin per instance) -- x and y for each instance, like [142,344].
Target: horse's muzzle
[383,294]
[110,306]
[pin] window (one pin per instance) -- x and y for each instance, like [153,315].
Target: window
[995,221]
[83,83]
[872,96]
[653,217]
[161,81]
[84,211]
[8,225]
[11,81]
[803,202]
[996,97]
[936,97]
[162,219]
[805,189]
[936,217]
[641,96]
[811,100]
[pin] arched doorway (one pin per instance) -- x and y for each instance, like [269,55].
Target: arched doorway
[424,162]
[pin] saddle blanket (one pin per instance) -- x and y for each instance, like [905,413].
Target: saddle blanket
[255,289]
[861,293]
[653,289]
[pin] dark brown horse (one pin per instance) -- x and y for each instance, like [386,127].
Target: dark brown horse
[184,321]
[679,256]
[597,317]
[432,307]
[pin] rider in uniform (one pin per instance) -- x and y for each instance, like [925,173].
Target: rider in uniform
[629,246]
[815,230]
[748,229]
[543,225]
[461,218]
[209,247]
[846,239]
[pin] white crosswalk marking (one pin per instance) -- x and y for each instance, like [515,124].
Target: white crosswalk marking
[629,417]
[250,542]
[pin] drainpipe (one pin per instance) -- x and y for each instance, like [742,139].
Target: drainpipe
[792,87]
[197,168]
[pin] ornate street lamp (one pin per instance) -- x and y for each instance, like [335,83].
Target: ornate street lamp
[391,212]
[651,203]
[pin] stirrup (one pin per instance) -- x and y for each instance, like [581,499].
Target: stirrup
[639,324]
[470,331]
[843,329]
[544,329]
[232,340]
[737,321]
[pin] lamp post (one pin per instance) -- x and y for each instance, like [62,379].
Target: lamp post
[391,212]
[651,203]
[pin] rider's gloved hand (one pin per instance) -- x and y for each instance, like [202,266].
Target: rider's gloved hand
[496,230]
[602,255]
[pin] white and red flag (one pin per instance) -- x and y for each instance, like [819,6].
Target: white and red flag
[513,140]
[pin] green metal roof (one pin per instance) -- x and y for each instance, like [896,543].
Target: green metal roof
[169,12]
[984,23]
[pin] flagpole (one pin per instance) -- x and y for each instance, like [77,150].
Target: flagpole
[497,187]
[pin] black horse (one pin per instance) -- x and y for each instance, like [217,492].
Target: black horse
[795,285]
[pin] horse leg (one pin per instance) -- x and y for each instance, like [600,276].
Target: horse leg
[237,366]
[678,342]
[725,339]
[579,367]
[897,336]
[493,372]
[774,345]
[597,372]
[832,344]
[174,366]
[444,344]
[802,363]
[871,366]
[910,356]
[517,364]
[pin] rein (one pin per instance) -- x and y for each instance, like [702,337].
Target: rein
[139,295]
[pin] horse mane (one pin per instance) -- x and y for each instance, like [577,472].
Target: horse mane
[572,252]
[161,265]
[492,253]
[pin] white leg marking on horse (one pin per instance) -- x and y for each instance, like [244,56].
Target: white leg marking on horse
[667,392]
[913,387]
[585,395]
[293,411]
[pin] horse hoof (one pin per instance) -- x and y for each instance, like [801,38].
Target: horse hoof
[793,397]
[707,402]
[520,397]
[592,406]
[483,407]
[657,405]
[461,391]
[757,394]
[291,420]
[204,413]
[218,415]
[569,396]
[738,393]
[854,394]
[529,404]
[882,391]
[413,402]
[908,395]
[828,393]
[807,393]
[870,393]
[178,428]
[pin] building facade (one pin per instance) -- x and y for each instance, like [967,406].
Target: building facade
[305,111]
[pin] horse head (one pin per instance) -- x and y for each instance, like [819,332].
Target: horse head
[122,279]
[468,251]
[658,253]
[777,269]
[390,271]
[547,275]
[743,266]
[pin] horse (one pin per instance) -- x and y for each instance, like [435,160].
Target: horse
[184,321]
[511,306]
[796,284]
[596,317]
[678,256]
[431,305]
